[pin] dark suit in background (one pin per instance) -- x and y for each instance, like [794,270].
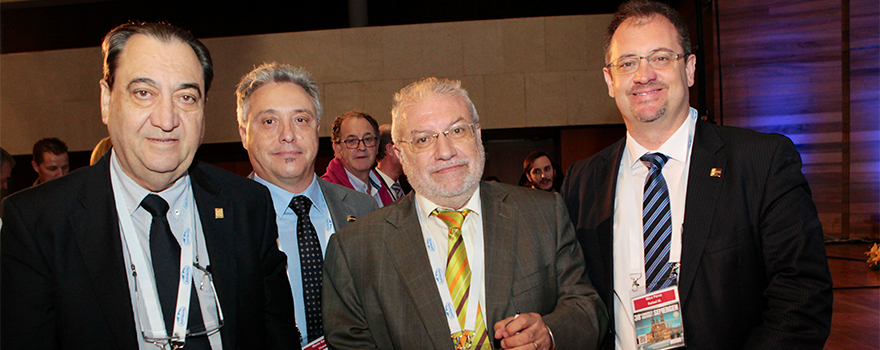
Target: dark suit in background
[379,292]
[64,282]
[753,269]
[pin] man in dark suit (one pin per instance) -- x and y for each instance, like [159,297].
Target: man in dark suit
[729,219]
[279,114]
[506,265]
[146,245]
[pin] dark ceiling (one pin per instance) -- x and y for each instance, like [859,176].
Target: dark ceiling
[38,25]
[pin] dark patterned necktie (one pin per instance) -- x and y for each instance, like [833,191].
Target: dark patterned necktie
[165,256]
[657,224]
[311,261]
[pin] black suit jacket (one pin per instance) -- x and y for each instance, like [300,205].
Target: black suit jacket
[64,282]
[754,274]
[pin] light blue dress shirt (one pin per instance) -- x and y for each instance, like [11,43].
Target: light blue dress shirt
[287,240]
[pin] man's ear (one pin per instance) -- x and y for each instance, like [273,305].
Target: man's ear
[609,80]
[105,102]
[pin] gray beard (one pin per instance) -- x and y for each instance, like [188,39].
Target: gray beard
[436,193]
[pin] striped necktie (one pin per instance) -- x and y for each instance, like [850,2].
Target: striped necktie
[458,279]
[657,224]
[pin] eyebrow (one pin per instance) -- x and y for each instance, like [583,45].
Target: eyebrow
[154,84]
[277,111]
[460,119]
[660,49]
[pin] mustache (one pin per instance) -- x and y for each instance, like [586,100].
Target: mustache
[446,164]
[646,87]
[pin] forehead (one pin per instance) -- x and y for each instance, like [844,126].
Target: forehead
[281,96]
[355,126]
[173,61]
[437,112]
[541,162]
[641,35]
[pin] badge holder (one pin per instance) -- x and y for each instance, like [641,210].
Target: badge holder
[658,321]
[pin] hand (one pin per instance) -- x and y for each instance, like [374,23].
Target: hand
[526,332]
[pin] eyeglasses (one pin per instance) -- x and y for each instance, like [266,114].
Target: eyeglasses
[352,143]
[657,60]
[212,323]
[422,141]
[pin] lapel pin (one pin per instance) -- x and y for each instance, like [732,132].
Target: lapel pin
[350,218]
[715,172]
[218,213]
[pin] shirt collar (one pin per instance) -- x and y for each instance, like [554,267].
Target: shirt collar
[426,206]
[281,197]
[133,193]
[676,147]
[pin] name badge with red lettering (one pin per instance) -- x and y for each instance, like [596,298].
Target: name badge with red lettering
[657,319]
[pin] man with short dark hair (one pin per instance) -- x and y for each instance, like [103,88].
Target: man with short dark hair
[459,264]
[388,165]
[50,159]
[146,248]
[715,222]
[355,137]
[279,114]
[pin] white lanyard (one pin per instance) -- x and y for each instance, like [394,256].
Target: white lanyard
[636,258]
[475,261]
[138,258]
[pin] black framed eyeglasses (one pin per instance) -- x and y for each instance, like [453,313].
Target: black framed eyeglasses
[352,143]
[657,60]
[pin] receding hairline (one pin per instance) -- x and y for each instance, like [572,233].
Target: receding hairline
[641,21]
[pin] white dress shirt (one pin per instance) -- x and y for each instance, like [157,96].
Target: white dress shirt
[628,240]
[182,206]
[433,227]
[371,188]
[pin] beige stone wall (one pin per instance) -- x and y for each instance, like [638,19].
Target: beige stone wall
[527,72]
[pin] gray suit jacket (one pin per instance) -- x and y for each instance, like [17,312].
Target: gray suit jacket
[379,292]
[346,205]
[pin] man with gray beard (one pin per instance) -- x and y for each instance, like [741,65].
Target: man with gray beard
[457,263]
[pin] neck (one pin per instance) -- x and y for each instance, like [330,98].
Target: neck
[293,185]
[652,135]
[392,172]
[455,202]
[362,175]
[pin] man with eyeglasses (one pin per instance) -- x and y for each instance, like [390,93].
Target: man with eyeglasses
[279,115]
[716,222]
[461,264]
[147,248]
[355,137]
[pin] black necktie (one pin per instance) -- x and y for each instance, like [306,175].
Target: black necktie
[165,255]
[657,221]
[311,262]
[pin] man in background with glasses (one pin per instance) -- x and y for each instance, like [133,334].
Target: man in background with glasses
[146,249]
[461,264]
[355,137]
[279,114]
[719,220]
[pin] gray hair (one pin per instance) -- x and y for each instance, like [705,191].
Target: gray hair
[418,91]
[274,73]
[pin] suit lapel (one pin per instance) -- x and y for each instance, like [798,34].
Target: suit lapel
[611,167]
[405,244]
[499,243]
[702,197]
[336,204]
[96,231]
[218,239]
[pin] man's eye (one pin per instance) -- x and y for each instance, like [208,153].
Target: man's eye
[142,93]
[421,140]
[456,130]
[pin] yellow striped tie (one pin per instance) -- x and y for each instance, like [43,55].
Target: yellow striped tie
[458,276]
